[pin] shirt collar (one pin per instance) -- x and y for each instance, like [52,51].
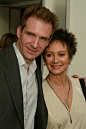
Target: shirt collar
[21,60]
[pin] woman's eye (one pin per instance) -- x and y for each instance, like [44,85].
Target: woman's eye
[49,55]
[62,54]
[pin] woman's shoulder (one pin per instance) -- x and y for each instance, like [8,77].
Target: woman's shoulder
[74,80]
[44,82]
[75,83]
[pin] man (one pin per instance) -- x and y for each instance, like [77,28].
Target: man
[22,103]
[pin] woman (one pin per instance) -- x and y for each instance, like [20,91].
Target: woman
[63,95]
[7,39]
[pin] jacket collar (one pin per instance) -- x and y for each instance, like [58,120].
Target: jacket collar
[13,79]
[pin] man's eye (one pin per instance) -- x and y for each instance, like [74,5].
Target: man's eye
[42,38]
[30,34]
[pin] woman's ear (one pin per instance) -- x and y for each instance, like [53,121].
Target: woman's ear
[18,31]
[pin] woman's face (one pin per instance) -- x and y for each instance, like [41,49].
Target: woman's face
[57,58]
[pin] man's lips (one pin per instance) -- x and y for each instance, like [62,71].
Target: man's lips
[31,50]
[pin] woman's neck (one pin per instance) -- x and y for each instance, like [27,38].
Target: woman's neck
[58,80]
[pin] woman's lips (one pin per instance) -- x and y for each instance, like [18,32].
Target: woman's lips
[56,66]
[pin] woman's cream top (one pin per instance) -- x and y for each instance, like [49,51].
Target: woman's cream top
[58,117]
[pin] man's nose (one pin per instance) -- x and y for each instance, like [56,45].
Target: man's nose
[35,42]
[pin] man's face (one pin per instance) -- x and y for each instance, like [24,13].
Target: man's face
[33,39]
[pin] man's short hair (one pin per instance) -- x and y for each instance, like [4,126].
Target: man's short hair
[41,13]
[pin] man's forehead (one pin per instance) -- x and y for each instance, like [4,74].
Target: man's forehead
[35,25]
[35,19]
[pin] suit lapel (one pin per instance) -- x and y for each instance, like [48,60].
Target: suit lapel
[41,112]
[14,84]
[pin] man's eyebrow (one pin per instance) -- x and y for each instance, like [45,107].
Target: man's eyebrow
[28,32]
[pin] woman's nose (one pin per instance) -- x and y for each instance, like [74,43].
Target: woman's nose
[55,60]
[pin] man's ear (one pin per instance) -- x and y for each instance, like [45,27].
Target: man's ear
[49,41]
[47,44]
[18,31]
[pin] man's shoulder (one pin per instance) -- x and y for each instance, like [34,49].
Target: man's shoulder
[2,54]
[8,49]
[7,54]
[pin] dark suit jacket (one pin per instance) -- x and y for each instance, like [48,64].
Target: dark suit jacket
[11,98]
[83,87]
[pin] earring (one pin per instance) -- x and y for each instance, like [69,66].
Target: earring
[44,64]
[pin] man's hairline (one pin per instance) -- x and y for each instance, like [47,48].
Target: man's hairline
[40,20]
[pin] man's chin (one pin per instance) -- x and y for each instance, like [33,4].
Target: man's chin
[31,58]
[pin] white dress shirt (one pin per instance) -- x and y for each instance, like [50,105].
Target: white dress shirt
[29,89]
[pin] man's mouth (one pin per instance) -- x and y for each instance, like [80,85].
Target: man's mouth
[31,50]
